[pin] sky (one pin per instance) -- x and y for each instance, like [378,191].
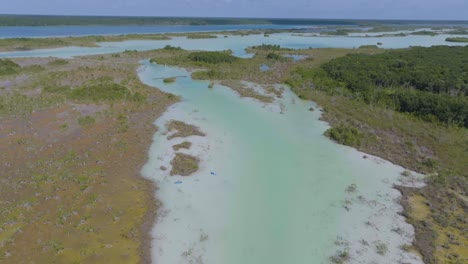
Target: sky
[352,9]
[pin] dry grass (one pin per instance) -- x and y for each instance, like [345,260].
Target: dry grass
[68,192]
[182,130]
[183,145]
[184,165]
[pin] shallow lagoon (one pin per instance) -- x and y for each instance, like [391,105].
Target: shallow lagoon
[279,195]
[238,44]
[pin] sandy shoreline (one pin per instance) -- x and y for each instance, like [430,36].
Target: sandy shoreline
[161,235]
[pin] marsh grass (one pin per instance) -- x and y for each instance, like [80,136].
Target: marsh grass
[244,91]
[86,120]
[182,129]
[183,145]
[8,67]
[83,167]
[169,80]
[22,44]
[184,164]
[459,39]
[201,36]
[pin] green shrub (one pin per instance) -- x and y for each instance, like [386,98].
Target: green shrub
[103,91]
[461,39]
[369,46]
[274,56]
[345,135]
[201,36]
[86,120]
[172,48]
[269,47]
[430,83]
[169,80]
[8,67]
[212,57]
[57,89]
[58,62]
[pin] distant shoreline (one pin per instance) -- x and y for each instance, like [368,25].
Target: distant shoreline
[73,20]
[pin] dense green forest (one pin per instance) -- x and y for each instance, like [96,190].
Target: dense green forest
[44,20]
[431,83]
[50,20]
[212,57]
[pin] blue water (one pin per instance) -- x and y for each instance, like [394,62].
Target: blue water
[66,31]
[238,44]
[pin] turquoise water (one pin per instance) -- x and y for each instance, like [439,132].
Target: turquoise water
[238,44]
[279,189]
[66,31]
[278,195]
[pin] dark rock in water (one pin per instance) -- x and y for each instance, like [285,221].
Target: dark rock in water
[364,157]
[311,109]
[163,168]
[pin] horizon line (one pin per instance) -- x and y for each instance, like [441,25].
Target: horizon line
[233,17]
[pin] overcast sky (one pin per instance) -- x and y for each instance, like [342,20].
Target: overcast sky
[369,9]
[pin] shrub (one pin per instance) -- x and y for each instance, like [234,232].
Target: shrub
[267,47]
[8,67]
[86,120]
[169,80]
[381,248]
[172,48]
[340,257]
[212,57]
[58,62]
[201,36]
[103,91]
[274,56]
[457,39]
[345,135]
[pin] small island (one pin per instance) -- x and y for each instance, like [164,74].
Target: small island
[458,39]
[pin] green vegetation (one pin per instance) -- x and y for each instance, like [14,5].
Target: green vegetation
[212,57]
[427,82]
[424,33]
[184,165]
[101,91]
[86,120]
[275,56]
[379,119]
[376,125]
[338,32]
[169,80]
[82,167]
[340,257]
[268,47]
[201,36]
[461,39]
[183,130]
[41,20]
[183,145]
[20,44]
[172,48]
[8,67]
[369,46]
[59,62]
[345,134]
[458,32]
